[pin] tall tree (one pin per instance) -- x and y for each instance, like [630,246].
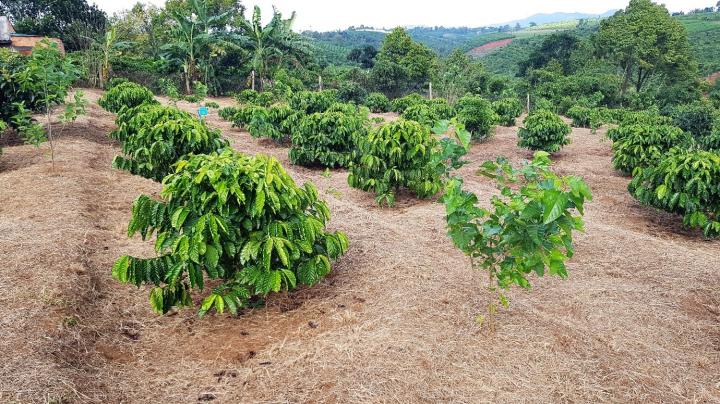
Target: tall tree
[402,64]
[645,41]
[73,21]
[272,45]
[559,47]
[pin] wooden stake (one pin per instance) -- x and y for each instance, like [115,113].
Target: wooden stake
[320,82]
[253,80]
[431,95]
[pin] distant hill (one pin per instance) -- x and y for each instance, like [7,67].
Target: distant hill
[556,17]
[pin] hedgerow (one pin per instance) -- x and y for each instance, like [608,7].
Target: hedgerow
[155,137]
[687,183]
[529,228]
[478,116]
[126,95]
[544,130]
[644,145]
[326,139]
[234,218]
[396,155]
[377,102]
[507,109]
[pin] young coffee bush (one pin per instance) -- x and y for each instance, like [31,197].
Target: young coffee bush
[238,219]
[126,95]
[155,137]
[441,108]
[421,113]
[399,154]
[544,130]
[399,105]
[644,145]
[696,118]
[326,139]
[311,102]
[228,113]
[711,142]
[352,92]
[377,102]
[687,183]
[584,117]
[246,96]
[529,227]
[507,109]
[284,119]
[478,116]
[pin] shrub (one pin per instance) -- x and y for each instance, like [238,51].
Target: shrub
[396,155]
[687,183]
[644,145]
[238,219]
[155,137]
[126,95]
[399,105]
[507,109]
[115,81]
[441,108]
[212,104]
[421,113]
[544,130]
[477,114]
[326,139]
[246,96]
[711,142]
[352,92]
[529,228]
[584,117]
[311,102]
[377,102]
[228,113]
[264,99]
[696,118]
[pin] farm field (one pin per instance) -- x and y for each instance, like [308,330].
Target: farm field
[637,319]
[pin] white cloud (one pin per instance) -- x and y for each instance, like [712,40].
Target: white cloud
[325,15]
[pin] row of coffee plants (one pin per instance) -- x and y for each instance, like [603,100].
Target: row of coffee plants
[237,220]
[674,162]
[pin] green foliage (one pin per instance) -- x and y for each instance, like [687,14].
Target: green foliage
[687,183]
[399,105]
[115,81]
[421,113]
[401,65]
[352,92]
[126,95]
[212,104]
[31,132]
[544,130]
[507,109]
[585,117]
[228,113]
[643,145]
[311,102]
[155,137]
[478,116]
[229,217]
[528,228]
[441,107]
[246,96]
[377,102]
[326,139]
[696,118]
[396,155]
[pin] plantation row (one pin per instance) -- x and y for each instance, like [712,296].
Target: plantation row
[243,220]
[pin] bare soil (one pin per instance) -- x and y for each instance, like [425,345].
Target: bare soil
[637,321]
[490,46]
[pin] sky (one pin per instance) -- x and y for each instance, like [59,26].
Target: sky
[327,15]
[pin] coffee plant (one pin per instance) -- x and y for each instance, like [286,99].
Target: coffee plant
[507,109]
[400,154]
[228,113]
[711,142]
[441,108]
[311,102]
[543,130]
[421,113]
[352,92]
[326,139]
[696,118]
[584,117]
[686,182]
[155,137]
[399,105]
[237,219]
[528,228]
[126,95]
[644,145]
[478,116]
[246,96]
[377,102]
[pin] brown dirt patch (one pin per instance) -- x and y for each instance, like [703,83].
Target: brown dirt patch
[484,49]
[637,320]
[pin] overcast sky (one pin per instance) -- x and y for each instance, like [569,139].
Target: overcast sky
[325,15]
